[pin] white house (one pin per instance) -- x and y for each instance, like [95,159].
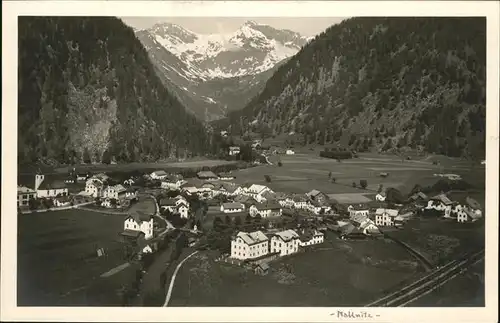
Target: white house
[249,245]
[353,211]
[285,242]
[468,210]
[94,187]
[173,184]
[290,152]
[116,192]
[266,209]
[440,203]
[226,176]
[24,194]
[62,201]
[190,190]
[234,150]
[158,174]
[256,191]
[46,187]
[300,202]
[140,222]
[362,222]
[380,197]
[227,189]
[232,207]
[311,238]
[177,205]
[386,217]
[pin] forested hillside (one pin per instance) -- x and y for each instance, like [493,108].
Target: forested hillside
[381,83]
[88,92]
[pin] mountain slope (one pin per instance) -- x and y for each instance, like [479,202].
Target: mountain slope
[213,74]
[87,90]
[386,83]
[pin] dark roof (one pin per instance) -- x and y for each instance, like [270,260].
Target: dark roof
[270,205]
[51,183]
[472,203]
[206,174]
[139,216]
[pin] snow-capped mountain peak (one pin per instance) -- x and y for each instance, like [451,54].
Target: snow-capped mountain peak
[251,49]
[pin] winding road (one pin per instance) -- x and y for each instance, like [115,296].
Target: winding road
[172,281]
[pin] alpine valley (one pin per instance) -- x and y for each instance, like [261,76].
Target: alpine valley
[212,74]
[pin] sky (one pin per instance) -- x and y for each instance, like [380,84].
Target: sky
[212,25]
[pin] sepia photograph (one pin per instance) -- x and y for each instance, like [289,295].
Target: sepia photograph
[252,160]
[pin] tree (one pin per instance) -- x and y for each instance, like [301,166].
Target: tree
[227,221]
[258,220]
[363,183]
[334,180]
[113,202]
[353,184]
[106,157]
[86,156]
[280,164]
[380,188]
[217,224]
[237,222]
[268,178]
[330,175]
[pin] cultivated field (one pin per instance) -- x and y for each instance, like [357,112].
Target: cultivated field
[301,173]
[57,257]
[337,273]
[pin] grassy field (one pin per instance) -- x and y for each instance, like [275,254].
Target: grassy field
[442,240]
[337,273]
[302,172]
[57,255]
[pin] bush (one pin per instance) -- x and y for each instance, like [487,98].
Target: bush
[336,154]
[353,184]
[280,164]
[334,180]
[363,183]
[268,178]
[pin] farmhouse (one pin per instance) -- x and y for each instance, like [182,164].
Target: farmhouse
[233,207]
[190,190]
[363,223]
[256,191]
[103,178]
[159,174]
[290,152]
[317,196]
[249,245]
[309,238]
[234,150]
[139,222]
[318,208]
[261,269]
[81,177]
[62,201]
[175,206]
[468,210]
[47,187]
[173,182]
[226,176]
[380,197]
[226,189]
[246,200]
[24,194]
[116,192]
[300,201]
[285,242]
[385,217]
[266,209]
[355,210]
[94,187]
[207,175]
[349,231]
[440,203]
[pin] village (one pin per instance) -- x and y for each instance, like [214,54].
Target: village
[250,224]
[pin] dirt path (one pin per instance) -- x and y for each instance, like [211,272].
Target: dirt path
[172,281]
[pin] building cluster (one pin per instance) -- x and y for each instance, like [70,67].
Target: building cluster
[43,187]
[111,195]
[257,245]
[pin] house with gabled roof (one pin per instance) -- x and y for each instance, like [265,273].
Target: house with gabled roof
[232,207]
[386,217]
[207,175]
[300,201]
[266,209]
[310,237]
[467,210]
[317,196]
[177,205]
[226,176]
[249,245]
[256,191]
[285,242]
[138,222]
[158,175]
[357,209]
[440,202]
[24,194]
